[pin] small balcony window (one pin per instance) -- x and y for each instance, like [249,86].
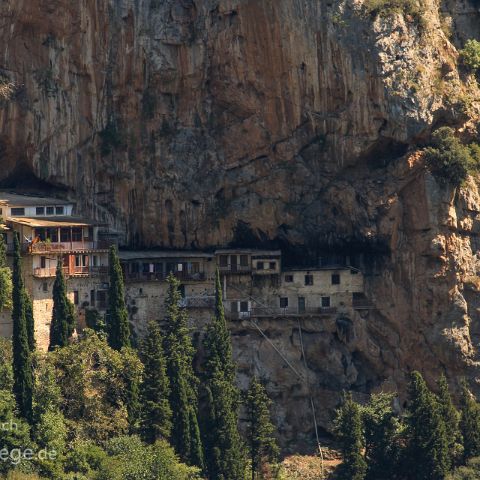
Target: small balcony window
[223,260]
[76,234]
[325,302]
[244,260]
[260,265]
[59,210]
[308,279]
[272,265]
[40,211]
[244,306]
[50,210]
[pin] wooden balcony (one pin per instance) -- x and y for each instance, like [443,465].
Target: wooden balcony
[61,247]
[234,268]
[71,272]
[161,277]
[264,312]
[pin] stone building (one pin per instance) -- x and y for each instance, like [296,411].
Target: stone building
[49,231]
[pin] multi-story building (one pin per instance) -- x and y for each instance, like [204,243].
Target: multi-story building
[49,231]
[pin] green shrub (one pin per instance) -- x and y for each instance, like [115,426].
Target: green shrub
[471,55]
[389,7]
[449,159]
[469,472]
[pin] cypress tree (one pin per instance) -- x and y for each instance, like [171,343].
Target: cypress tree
[63,319]
[5,278]
[22,357]
[156,413]
[427,451]
[451,417]
[470,423]
[263,447]
[30,322]
[349,432]
[382,437]
[183,398]
[118,327]
[224,448]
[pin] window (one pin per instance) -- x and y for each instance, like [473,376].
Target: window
[95,260]
[260,265]
[308,279]
[354,272]
[101,299]
[233,307]
[145,267]
[75,297]
[283,302]
[244,306]
[65,235]
[223,260]
[45,286]
[273,265]
[140,291]
[50,210]
[18,211]
[288,278]
[43,262]
[335,279]
[40,211]
[134,267]
[59,210]
[244,260]
[76,234]
[40,234]
[52,234]
[325,302]
[92,298]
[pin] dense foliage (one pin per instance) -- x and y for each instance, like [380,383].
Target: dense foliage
[390,7]
[471,55]
[429,440]
[449,159]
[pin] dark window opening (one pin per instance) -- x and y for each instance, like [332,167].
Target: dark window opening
[75,297]
[273,265]
[335,279]
[260,265]
[40,211]
[308,279]
[325,302]
[244,260]
[45,286]
[284,302]
[288,278]
[223,260]
[65,235]
[43,262]
[59,210]
[76,234]
[50,210]
[18,212]
[244,306]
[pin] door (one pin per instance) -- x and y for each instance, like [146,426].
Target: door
[301,304]
[233,263]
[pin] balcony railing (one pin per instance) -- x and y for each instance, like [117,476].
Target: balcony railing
[202,301]
[70,272]
[282,312]
[234,268]
[160,276]
[52,247]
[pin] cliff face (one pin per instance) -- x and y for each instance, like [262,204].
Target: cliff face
[191,123]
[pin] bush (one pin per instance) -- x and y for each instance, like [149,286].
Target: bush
[469,472]
[471,55]
[389,7]
[449,159]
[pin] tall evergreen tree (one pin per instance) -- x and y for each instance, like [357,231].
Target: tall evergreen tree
[156,414]
[63,319]
[22,356]
[5,278]
[349,432]
[224,449]
[183,398]
[382,437]
[451,417]
[263,447]
[30,322]
[118,327]
[470,423]
[427,451]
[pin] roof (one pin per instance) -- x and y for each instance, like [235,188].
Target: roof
[60,221]
[319,269]
[250,251]
[21,200]
[153,255]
